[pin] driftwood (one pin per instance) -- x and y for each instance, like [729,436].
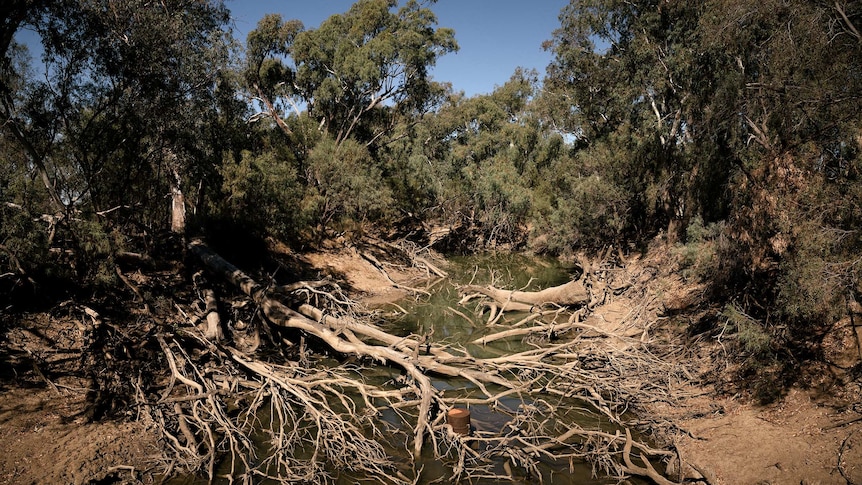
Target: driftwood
[281,315]
[573,293]
[548,381]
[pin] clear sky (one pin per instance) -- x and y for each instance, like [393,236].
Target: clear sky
[495,36]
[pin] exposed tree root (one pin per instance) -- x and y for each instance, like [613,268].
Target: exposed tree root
[324,418]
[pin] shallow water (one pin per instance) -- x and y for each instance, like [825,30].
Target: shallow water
[458,325]
[509,271]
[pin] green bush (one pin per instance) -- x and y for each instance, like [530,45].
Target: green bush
[344,187]
[806,292]
[587,212]
[753,338]
[263,192]
[697,256]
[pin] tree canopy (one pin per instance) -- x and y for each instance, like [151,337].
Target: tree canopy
[735,126]
[119,118]
[370,58]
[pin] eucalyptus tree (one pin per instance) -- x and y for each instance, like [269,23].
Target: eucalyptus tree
[742,114]
[480,161]
[117,117]
[369,58]
[337,94]
[786,113]
[625,74]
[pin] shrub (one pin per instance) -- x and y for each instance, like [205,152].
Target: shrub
[751,335]
[263,193]
[697,256]
[344,187]
[588,212]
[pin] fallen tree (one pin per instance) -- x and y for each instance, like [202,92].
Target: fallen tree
[573,293]
[326,417]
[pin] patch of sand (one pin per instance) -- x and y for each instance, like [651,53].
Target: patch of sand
[44,439]
[797,441]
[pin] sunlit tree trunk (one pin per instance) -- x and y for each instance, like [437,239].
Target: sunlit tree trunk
[178,200]
[178,210]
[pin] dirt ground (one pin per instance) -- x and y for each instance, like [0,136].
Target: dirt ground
[797,441]
[46,434]
[44,439]
[810,436]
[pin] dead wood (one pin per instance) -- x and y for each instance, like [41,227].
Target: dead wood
[132,286]
[645,471]
[572,293]
[574,375]
[377,264]
[139,260]
[213,330]
[418,257]
[280,315]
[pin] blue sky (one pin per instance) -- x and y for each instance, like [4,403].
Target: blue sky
[495,36]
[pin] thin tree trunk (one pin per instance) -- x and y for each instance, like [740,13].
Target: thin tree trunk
[178,200]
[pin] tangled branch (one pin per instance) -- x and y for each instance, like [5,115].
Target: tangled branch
[331,417]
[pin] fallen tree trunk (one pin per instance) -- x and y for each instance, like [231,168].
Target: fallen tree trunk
[279,314]
[573,293]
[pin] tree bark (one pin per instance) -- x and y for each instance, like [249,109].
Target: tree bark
[178,199]
[572,293]
[213,330]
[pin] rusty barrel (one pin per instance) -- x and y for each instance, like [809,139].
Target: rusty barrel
[459,419]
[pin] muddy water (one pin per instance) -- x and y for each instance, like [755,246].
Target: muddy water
[456,325]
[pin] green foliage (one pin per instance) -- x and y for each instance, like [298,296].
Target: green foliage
[737,122]
[412,178]
[634,97]
[821,269]
[263,193]
[353,67]
[751,335]
[94,247]
[122,115]
[486,156]
[502,199]
[341,95]
[344,188]
[757,349]
[697,255]
[23,244]
[264,70]
[587,212]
